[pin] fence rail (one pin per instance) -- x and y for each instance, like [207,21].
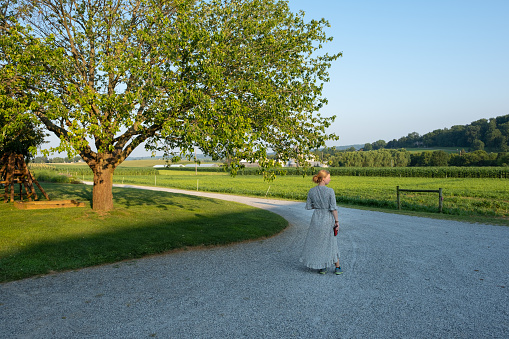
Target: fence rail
[439,191]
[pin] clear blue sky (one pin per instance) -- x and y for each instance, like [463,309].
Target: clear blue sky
[412,66]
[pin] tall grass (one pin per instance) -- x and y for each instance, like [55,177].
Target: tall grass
[48,175]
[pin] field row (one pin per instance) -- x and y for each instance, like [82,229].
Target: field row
[462,196]
[399,172]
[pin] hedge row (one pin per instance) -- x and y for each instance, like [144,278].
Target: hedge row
[417,172]
[425,172]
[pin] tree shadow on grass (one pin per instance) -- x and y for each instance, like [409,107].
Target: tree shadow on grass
[137,240]
[58,191]
[144,223]
[122,197]
[135,197]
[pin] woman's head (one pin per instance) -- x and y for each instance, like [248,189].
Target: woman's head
[320,176]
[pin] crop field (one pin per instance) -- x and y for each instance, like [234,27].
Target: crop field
[462,196]
[449,150]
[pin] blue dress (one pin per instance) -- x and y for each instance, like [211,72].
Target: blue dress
[321,246]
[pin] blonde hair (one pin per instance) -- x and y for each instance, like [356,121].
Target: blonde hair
[318,177]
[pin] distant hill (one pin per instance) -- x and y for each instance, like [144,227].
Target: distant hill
[484,134]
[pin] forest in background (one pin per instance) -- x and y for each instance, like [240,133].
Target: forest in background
[485,134]
[482,143]
[404,158]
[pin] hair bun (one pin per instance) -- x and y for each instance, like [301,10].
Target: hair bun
[318,177]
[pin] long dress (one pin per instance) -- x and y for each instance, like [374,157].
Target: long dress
[320,247]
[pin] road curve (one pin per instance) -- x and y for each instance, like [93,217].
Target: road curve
[405,277]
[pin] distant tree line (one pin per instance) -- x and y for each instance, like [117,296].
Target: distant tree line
[483,134]
[403,158]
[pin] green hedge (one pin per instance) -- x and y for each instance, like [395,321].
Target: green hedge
[417,172]
[424,172]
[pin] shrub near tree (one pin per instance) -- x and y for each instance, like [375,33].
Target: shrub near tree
[476,158]
[435,158]
[503,159]
[233,78]
[19,134]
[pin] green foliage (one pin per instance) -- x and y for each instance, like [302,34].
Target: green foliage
[233,78]
[403,158]
[20,132]
[230,77]
[424,172]
[492,134]
[376,158]
[19,136]
[476,158]
[434,158]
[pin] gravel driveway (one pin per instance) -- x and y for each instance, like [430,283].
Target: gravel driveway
[405,277]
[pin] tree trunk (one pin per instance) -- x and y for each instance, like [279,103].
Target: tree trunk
[102,199]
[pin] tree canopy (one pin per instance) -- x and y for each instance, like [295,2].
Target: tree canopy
[20,137]
[20,133]
[234,78]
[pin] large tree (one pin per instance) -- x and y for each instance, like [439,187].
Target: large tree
[234,78]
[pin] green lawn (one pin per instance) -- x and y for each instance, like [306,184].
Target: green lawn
[34,242]
[462,196]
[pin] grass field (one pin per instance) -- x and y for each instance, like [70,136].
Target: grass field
[449,150]
[462,196]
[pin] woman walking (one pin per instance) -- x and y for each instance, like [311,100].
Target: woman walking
[321,247]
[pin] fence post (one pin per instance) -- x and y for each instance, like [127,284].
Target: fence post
[397,194]
[440,200]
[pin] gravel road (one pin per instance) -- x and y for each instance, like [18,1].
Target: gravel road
[405,277]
